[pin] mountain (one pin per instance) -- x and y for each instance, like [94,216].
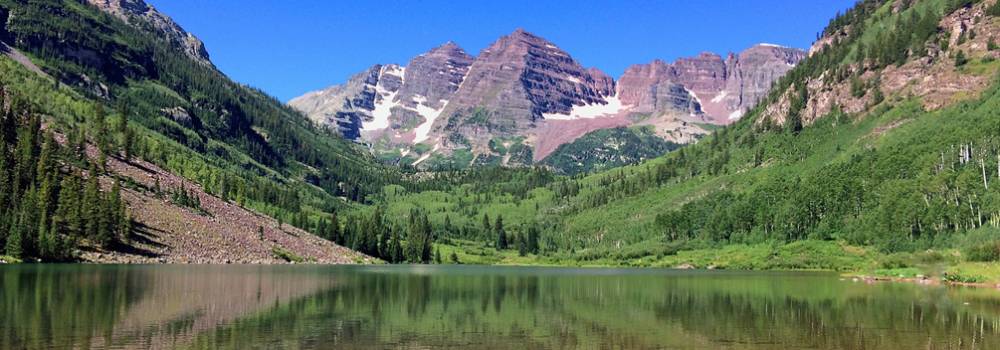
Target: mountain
[413,96]
[527,95]
[146,153]
[879,150]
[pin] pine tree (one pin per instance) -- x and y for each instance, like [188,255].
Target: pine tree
[428,240]
[532,244]
[105,221]
[486,224]
[127,135]
[437,256]
[13,246]
[100,129]
[333,230]
[26,155]
[960,59]
[6,190]
[522,244]
[501,234]
[68,207]
[27,223]
[91,203]
[395,248]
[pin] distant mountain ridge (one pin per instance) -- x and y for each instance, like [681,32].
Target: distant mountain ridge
[524,93]
[177,36]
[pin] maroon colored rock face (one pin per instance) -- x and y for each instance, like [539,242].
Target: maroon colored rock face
[521,76]
[435,76]
[722,90]
[523,86]
[754,70]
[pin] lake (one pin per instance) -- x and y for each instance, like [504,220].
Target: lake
[470,307]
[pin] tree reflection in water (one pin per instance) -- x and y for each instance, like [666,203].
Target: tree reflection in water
[480,308]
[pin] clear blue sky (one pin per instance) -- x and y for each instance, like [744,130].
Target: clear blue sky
[290,47]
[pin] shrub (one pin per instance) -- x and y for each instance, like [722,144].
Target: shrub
[897,261]
[960,59]
[981,245]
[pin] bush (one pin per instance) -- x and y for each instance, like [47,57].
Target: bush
[983,245]
[960,59]
[987,251]
[897,261]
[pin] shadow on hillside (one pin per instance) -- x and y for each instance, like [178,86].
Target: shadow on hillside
[142,236]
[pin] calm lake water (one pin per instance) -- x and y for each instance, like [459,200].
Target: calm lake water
[464,307]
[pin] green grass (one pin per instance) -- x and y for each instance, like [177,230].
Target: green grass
[287,255]
[9,259]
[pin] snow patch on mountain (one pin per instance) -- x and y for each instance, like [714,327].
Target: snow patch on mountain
[612,107]
[423,130]
[736,114]
[694,95]
[427,155]
[718,98]
[386,102]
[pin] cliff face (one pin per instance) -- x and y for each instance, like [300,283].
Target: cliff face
[521,77]
[129,10]
[524,92]
[930,74]
[343,107]
[721,90]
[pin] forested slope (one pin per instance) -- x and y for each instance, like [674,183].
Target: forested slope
[126,91]
[886,137]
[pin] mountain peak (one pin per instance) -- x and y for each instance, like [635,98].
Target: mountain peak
[163,24]
[524,35]
[448,47]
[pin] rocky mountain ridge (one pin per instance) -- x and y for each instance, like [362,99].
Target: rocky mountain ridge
[523,96]
[127,10]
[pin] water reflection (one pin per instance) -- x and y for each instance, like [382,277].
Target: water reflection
[480,307]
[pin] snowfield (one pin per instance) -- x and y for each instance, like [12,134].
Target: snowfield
[591,111]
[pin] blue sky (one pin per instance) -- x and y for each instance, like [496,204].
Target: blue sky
[290,47]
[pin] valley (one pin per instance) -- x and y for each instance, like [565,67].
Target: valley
[820,157]
[511,198]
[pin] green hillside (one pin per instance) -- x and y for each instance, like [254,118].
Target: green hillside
[893,173]
[608,148]
[890,179]
[124,89]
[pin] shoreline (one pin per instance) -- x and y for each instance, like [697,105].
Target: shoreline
[926,281]
[855,276]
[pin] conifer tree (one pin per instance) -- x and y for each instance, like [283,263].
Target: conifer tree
[960,59]
[333,230]
[395,255]
[532,239]
[126,133]
[91,203]
[486,224]
[501,234]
